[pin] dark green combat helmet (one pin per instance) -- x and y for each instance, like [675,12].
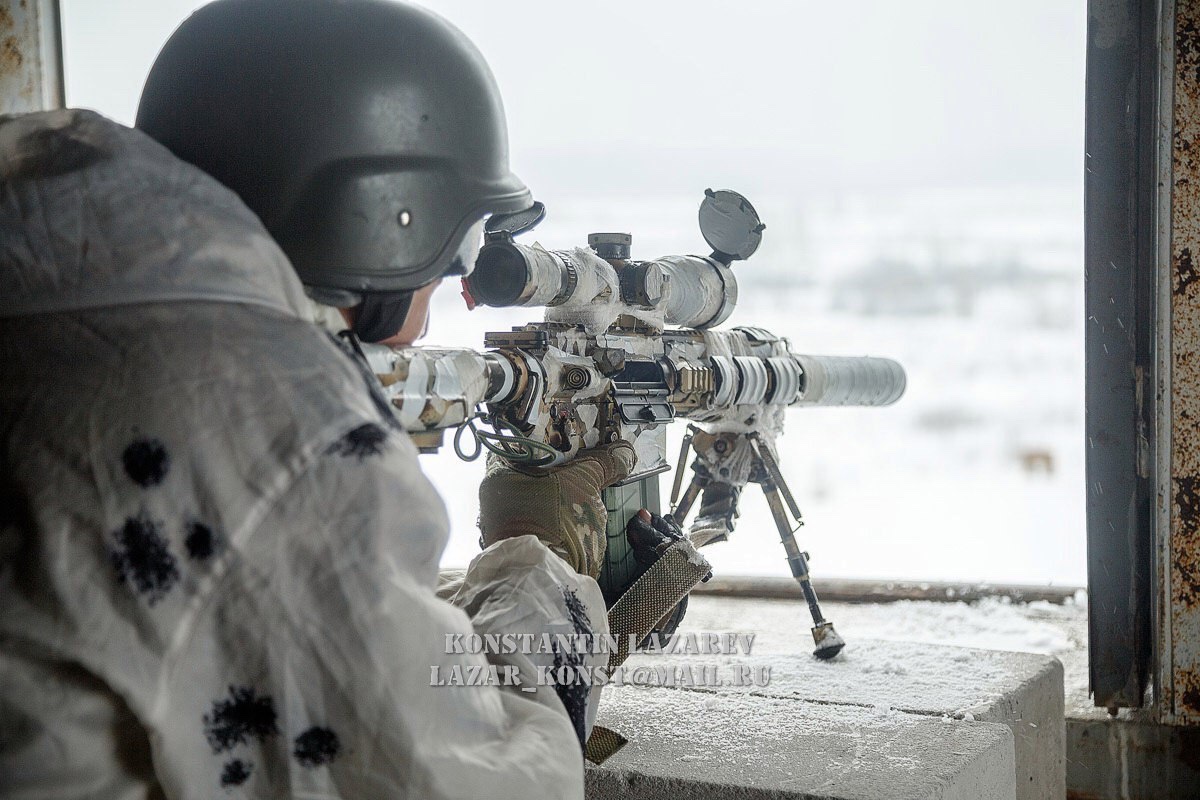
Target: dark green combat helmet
[367,135]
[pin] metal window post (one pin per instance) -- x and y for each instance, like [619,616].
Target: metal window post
[1177,681]
[1120,251]
[1143,354]
[31,71]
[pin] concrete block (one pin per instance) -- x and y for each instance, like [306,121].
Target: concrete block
[1022,691]
[705,746]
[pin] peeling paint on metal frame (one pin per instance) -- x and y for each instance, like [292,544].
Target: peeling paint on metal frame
[30,62]
[1188,685]
[1183,547]
[11,56]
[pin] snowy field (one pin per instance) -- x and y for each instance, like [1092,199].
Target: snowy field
[977,473]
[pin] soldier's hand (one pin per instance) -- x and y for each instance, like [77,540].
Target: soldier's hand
[649,536]
[561,505]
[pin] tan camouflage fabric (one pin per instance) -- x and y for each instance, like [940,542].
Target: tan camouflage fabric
[561,506]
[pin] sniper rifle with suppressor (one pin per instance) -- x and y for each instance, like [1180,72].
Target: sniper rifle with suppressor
[627,347]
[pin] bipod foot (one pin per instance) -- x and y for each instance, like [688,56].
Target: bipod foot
[829,643]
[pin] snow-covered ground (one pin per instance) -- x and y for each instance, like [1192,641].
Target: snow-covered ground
[977,473]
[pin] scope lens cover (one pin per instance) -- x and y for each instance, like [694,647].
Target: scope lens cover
[518,221]
[730,224]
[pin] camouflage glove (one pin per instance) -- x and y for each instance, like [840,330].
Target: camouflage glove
[561,505]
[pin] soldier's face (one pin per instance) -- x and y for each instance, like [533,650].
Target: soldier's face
[417,321]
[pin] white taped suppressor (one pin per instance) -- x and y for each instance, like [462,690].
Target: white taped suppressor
[849,381]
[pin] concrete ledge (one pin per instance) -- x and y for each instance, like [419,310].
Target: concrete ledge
[875,591]
[703,746]
[1023,692]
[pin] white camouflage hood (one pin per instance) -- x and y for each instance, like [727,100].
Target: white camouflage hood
[94,214]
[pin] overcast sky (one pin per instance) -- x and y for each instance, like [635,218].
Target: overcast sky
[632,95]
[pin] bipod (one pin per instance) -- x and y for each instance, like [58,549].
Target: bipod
[711,450]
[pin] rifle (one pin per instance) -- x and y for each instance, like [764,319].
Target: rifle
[627,347]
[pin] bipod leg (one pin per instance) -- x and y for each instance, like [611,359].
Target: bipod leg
[679,507]
[680,464]
[679,512]
[828,642]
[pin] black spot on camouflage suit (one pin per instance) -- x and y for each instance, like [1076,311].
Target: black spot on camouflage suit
[237,720]
[236,772]
[577,611]
[365,440]
[316,746]
[574,692]
[142,558]
[146,462]
[201,542]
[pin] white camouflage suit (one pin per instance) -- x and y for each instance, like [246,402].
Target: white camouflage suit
[217,558]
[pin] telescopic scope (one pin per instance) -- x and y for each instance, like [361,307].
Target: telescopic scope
[686,290]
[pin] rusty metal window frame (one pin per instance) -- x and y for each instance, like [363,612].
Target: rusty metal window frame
[1177,684]
[31,65]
